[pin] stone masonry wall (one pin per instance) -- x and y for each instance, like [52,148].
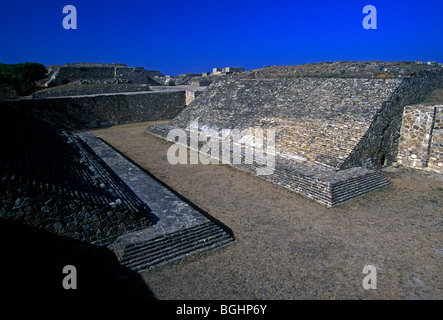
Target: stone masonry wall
[72,113]
[88,89]
[379,145]
[330,133]
[339,123]
[191,95]
[70,74]
[436,151]
[415,136]
[318,120]
[421,140]
[100,73]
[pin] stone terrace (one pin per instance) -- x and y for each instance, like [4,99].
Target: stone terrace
[330,133]
[53,181]
[76,186]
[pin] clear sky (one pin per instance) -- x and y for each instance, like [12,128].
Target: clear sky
[175,37]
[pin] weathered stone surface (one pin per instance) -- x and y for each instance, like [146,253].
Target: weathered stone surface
[91,89]
[421,140]
[89,73]
[379,146]
[343,69]
[50,180]
[179,228]
[103,110]
[83,189]
[328,130]
[311,117]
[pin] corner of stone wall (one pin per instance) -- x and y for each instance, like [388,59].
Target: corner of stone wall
[421,141]
[415,135]
[191,96]
[379,145]
[436,149]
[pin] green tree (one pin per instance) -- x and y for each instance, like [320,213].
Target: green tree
[21,77]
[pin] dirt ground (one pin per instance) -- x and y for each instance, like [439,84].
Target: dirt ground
[289,247]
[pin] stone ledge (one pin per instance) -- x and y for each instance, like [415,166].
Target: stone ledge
[325,185]
[173,217]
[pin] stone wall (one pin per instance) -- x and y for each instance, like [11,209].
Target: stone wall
[436,151]
[330,133]
[72,113]
[321,120]
[317,182]
[421,140]
[191,95]
[52,181]
[86,73]
[69,74]
[379,145]
[78,187]
[88,89]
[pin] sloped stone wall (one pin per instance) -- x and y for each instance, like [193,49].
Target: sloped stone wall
[379,145]
[330,133]
[321,120]
[52,181]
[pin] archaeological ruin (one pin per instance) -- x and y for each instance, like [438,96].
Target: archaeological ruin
[336,125]
[332,133]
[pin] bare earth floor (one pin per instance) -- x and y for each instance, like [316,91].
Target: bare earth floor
[288,247]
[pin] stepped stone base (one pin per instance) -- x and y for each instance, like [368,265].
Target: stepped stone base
[140,250]
[321,183]
[179,229]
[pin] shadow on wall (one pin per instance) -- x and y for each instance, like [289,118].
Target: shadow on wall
[33,261]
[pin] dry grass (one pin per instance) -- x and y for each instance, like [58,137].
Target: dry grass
[289,247]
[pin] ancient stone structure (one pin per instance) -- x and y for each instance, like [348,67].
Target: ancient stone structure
[330,133]
[179,229]
[205,78]
[342,69]
[332,136]
[55,182]
[227,70]
[421,141]
[76,186]
[96,110]
[69,90]
[89,73]
[436,150]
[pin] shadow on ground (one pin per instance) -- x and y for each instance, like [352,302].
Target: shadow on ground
[32,267]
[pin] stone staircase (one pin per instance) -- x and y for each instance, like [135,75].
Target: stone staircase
[144,254]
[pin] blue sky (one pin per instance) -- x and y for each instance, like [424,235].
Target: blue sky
[175,37]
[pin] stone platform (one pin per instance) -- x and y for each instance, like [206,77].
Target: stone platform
[179,229]
[323,184]
[78,187]
[331,135]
